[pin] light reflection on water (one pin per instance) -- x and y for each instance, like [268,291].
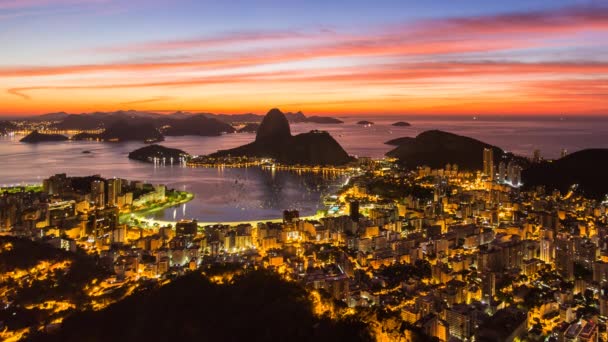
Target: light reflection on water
[252,194]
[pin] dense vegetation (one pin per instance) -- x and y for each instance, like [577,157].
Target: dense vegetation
[255,306]
[586,169]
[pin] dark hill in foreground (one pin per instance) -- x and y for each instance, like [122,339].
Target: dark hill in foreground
[274,140]
[257,306]
[437,148]
[587,168]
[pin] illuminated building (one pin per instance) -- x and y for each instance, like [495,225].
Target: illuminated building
[114,190]
[488,163]
[98,193]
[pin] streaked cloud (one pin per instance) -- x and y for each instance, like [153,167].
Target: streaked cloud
[463,61]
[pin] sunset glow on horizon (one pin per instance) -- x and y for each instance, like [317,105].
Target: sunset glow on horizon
[356,57]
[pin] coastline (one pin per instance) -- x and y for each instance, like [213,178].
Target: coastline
[184,197]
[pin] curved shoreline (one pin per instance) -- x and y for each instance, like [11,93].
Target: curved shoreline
[161,223]
[124,217]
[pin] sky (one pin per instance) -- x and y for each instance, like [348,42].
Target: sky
[465,57]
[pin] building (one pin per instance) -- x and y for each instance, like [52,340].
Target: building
[488,163]
[114,190]
[354,211]
[502,172]
[290,216]
[98,193]
[581,331]
[186,228]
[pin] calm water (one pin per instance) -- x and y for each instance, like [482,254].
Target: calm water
[253,194]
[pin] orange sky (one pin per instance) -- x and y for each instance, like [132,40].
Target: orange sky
[550,61]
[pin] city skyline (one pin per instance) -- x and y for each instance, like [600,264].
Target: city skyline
[524,57]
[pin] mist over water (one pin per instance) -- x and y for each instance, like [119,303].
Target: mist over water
[254,194]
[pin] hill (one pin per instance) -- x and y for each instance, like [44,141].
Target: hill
[148,153]
[401,124]
[37,137]
[256,306]
[437,148]
[121,131]
[100,120]
[399,141]
[585,168]
[194,125]
[274,140]
[50,277]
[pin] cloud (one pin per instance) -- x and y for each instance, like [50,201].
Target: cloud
[148,100]
[23,4]
[463,56]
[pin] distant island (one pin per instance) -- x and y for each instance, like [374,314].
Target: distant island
[274,140]
[37,137]
[149,153]
[401,124]
[585,168]
[249,128]
[437,148]
[365,123]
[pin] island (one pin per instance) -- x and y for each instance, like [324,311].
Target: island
[249,128]
[583,172]
[401,124]
[37,137]
[157,152]
[274,140]
[365,123]
[436,148]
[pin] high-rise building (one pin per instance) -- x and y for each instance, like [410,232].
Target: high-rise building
[563,153]
[186,228]
[514,173]
[502,172]
[354,211]
[564,257]
[98,193]
[537,157]
[290,216]
[547,251]
[114,189]
[488,163]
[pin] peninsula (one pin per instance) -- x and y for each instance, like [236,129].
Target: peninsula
[157,152]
